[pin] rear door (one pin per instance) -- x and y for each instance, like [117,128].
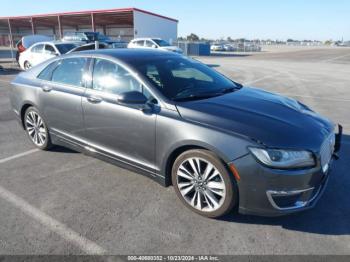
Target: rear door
[36,54]
[62,88]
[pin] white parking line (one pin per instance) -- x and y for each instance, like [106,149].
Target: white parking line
[318,97]
[260,79]
[18,155]
[335,58]
[60,229]
[4,81]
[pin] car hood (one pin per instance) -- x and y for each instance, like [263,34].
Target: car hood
[268,118]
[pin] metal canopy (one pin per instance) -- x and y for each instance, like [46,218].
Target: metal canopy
[101,18]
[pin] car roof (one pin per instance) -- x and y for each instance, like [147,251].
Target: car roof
[54,43]
[146,38]
[130,54]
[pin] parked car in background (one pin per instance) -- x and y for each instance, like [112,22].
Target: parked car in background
[88,46]
[217,47]
[153,43]
[42,51]
[90,37]
[27,41]
[228,47]
[220,144]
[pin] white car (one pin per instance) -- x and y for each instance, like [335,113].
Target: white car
[42,51]
[217,47]
[153,43]
[228,47]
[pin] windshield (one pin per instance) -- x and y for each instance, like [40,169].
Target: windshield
[64,48]
[96,36]
[92,36]
[103,37]
[161,42]
[181,79]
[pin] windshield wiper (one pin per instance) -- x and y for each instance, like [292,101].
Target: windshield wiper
[196,96]
[229,90]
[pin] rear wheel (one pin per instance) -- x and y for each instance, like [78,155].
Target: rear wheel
[36,129]
[27,65]
[203,184]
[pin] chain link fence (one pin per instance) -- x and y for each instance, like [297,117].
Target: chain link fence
[206,48]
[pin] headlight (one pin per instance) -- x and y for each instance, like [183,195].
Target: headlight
[277,158]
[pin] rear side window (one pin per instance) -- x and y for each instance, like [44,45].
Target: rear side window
[38,49]
[70,71]
[139,42]
[47,72]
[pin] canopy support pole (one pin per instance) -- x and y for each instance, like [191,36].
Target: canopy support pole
[32,24]
[93,22]
[11,39]
[59,27]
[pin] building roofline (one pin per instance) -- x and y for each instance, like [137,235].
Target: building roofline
[115,10]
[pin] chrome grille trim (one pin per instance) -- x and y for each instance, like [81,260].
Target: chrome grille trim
[327,149]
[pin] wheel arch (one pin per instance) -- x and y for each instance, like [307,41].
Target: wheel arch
[23,110]
[179,149]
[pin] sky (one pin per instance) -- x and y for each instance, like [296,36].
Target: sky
[251,19]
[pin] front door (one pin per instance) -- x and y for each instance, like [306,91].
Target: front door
[127,133]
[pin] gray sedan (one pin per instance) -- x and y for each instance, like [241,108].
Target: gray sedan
[221,145]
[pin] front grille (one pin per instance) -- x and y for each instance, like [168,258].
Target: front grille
[327,149]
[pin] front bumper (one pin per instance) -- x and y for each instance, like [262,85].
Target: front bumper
[272,192]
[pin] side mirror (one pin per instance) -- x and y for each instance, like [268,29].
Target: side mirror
[154,46]
[132,98]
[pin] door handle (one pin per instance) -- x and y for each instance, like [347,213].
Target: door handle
[46,88]
[94,99]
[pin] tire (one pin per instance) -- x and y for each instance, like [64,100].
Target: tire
[200,185]
[27,65]
[36,129]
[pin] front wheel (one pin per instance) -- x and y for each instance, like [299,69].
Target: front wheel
[36,129]
[203,184]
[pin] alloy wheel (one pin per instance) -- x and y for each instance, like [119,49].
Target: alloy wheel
[36,128]
[201,184]
[27,65]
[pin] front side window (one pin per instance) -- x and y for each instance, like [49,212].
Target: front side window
[161,42]
[111,78]
[180,78]
[70,71]
[149,43]
[49,49]
[38,49]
